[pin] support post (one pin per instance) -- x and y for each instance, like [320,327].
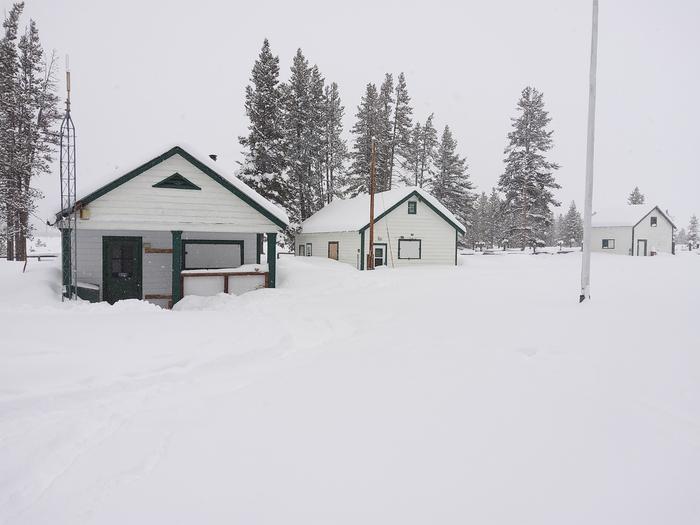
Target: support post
[66,262]
[362,250]
[272,259]
[258,247]
[177,266]
[370,256]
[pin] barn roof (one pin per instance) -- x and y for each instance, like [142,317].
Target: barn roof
[206,165]
[345,215]
[629,215]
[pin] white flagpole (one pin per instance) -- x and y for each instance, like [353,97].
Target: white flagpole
[590,143]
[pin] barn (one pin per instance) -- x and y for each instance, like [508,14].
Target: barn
[411,228]
[172,226]
[638,230]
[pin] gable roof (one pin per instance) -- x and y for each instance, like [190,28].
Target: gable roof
[344,215]
[233,184]
[628,215]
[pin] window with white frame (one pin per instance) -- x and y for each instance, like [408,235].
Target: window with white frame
[608,244]
[409,249]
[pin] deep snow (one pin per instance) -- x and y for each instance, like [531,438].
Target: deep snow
[478,394]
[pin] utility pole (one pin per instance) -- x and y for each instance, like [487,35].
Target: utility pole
[69,213]
[372,177]
[590,144]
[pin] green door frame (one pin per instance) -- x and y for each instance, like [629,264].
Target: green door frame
[106,239]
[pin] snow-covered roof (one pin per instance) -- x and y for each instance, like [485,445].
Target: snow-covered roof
[95,185]
[628,215]
[345,215]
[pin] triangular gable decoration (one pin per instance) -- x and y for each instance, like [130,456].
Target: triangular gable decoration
[177,182]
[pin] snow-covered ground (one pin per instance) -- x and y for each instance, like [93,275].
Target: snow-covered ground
[478,394]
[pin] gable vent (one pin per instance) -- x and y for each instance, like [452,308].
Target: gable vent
[176,182]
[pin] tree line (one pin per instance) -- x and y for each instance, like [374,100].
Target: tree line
[296,155]
[28,114]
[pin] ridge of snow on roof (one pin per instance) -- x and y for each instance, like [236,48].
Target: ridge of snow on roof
[215,166]
[347,215]
[627,215]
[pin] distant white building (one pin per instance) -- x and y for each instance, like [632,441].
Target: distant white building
[633,230]
[411,228]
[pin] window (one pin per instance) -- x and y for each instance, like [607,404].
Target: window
[302,250]
[333,250]
[409,249]
[308,249]
[608,244]
[200,254]
[177,182]
[653,222]
[412,205]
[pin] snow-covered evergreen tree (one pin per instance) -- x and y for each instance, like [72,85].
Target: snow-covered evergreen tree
[401,129]
[385,111]
[693,232]
[636,197]
[366,128]
[572,228]
[682,237]
[424,144]
[264,165]
[494,228]
[335,148]
[528,181]
[451,184]
[478,229]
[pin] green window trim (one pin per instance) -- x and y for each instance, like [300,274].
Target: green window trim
[420,249]
[185,242]
[412,207]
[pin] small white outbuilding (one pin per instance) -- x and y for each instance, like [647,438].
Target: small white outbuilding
[411,228]
[632,230]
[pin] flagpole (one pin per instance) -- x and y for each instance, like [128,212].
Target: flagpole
[590,144]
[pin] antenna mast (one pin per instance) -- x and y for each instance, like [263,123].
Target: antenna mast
[372,182]
[69,220]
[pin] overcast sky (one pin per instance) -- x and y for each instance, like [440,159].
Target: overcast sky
[149,73]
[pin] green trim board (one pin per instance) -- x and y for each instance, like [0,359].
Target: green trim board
[176,288]
[259,238]
[176,182]
[177,150]
[272,260]
[185,242]
[420,198]
[362,249]
[456,244]
[110,290]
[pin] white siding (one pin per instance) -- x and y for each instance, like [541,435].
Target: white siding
[621,234]
[137,205]
[659,238]
[348,245]
[436,234]
[157,267]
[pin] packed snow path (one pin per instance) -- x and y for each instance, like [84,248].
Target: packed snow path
[477,394]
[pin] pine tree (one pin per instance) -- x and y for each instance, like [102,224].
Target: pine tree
[264,163]
[385,110]
[682,237]
[636,197]
[528,180]
[478,229]
[451,184]
[572,228]
[413,157]
[401,129]
[364,130]
[494,230]
[425,151]
[693,232]
[334,147]
[559,235]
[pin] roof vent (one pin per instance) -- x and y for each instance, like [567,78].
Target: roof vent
[213,157]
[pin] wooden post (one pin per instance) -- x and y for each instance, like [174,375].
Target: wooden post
[370,255]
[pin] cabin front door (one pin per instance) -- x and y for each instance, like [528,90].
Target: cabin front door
[122,263]
[641,247]
[379,255]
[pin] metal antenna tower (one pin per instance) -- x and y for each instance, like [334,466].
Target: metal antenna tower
[69,222]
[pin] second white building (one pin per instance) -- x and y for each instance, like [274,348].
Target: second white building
[411,228]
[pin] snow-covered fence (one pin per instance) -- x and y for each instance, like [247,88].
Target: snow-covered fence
[235,281]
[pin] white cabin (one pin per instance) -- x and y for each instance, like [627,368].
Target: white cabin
[411,228]
[171,227]
[633,230]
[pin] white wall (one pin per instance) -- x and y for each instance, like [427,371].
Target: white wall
[348,245]
[621,234]
[137,205]
[659,238]
[157,267]
[437,235]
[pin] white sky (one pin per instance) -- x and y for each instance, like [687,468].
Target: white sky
[156,72]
